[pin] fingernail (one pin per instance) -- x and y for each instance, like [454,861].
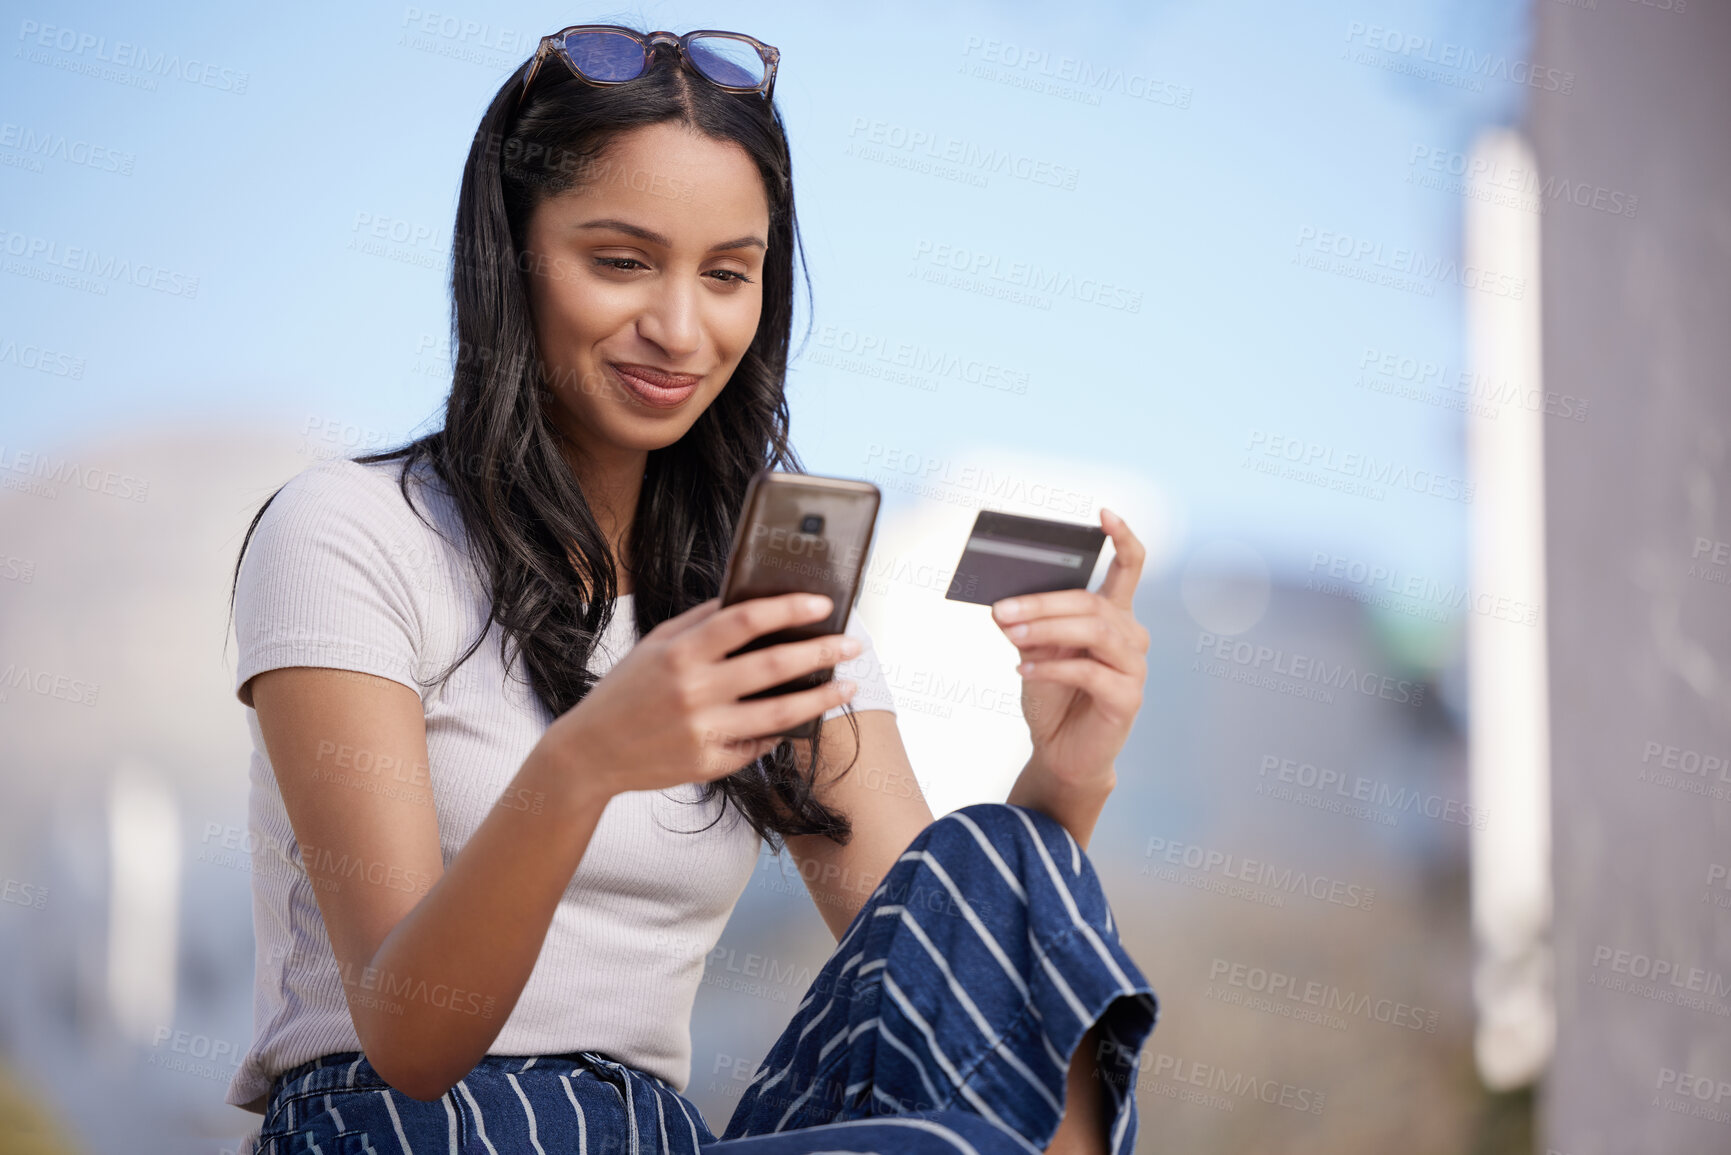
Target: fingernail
[848,686]
[850,647]
[1007,608]
[817,604]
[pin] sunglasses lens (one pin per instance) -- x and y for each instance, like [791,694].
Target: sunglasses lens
[727,61]
[605,56]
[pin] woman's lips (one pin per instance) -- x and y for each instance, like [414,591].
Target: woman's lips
[653,387]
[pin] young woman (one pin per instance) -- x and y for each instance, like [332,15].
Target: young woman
[501,757]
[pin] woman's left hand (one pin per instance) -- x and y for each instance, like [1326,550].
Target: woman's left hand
[1082,665]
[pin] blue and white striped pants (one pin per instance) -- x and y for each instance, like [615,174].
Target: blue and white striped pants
[944,1021]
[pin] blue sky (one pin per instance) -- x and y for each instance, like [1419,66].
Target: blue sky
[1256,123]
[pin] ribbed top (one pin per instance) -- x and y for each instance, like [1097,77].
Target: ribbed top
[341,573]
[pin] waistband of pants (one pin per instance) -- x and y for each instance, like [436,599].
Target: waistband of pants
[590,1059]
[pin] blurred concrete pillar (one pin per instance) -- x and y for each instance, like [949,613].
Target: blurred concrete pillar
[143,901]
[1636,260]
[1509,735]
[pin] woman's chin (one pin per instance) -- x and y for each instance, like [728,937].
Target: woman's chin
[646,430]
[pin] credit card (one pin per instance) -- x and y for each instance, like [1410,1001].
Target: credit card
[1008,555]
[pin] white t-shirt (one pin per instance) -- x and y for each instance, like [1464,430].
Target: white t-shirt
[341,573]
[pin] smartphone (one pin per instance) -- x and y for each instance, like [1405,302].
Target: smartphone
[800,533]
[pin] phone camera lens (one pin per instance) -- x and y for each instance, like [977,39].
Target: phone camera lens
[811,523]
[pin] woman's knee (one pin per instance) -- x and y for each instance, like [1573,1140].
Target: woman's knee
[1006,828]
[1000,855]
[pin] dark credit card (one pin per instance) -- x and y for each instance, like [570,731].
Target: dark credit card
[1008,556]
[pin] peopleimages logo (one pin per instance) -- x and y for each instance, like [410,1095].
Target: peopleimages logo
[1468,390]
[859,350]
[1682,768]
[1463,59]
[104,267]
[1358,467]
[474,41]
[970,480]
[973,264]
[1703,1089]
[1486,177]
[87,47]
[1265,665]
[1368,582]
[42,360]
[935,692]
[40,146]
[1672,982]
[1326,997]
[1254,872]
[1366,255]
[1067,77]
[924,144]
[378,986]
[1174,1077]
[1393,800]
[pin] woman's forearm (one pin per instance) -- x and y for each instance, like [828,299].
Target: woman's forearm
[1076,805]
[445,979]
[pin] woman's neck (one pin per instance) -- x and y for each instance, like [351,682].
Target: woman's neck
[611,478]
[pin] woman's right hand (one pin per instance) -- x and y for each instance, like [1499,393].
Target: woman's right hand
[669,713]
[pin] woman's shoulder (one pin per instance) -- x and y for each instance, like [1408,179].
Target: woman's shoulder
[342,572]
[341,493]
[346,515]
[380,484]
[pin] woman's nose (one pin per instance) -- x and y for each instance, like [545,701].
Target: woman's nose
[670,318]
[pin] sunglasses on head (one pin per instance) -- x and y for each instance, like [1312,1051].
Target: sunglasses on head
[610,54]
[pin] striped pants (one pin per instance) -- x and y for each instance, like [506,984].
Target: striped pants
[944,1021]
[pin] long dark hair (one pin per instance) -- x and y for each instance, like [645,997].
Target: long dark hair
[530,530]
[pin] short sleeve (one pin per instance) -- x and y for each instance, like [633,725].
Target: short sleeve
[327,579]
[865,669]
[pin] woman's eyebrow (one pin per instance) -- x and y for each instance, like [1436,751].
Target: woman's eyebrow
[656,238]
